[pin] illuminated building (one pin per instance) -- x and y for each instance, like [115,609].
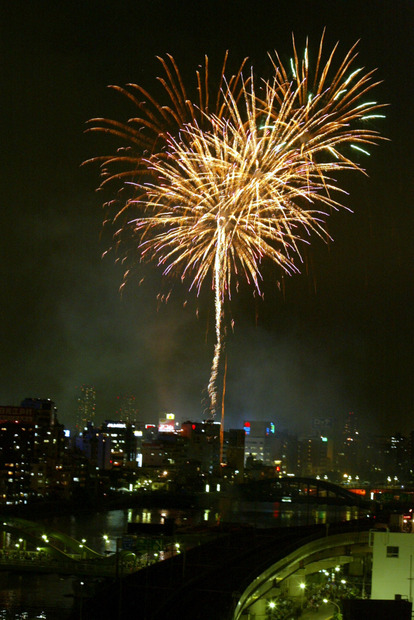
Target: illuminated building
[31,442]
[350,454]
[315,455]
[127,409]
[115,445]
[165,448]
[167,424]
[122,444]
[261,443]
[86,407]
[397,453]
[168,451]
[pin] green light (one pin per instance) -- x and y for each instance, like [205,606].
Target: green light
[358,148]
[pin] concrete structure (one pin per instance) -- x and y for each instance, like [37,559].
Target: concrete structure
[286,575]
[393,565]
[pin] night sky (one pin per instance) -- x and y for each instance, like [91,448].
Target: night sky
[337,338]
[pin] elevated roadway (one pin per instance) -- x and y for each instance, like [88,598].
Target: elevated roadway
[227,578]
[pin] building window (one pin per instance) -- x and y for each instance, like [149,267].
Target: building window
[392,552]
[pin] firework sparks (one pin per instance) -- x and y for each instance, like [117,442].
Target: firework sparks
[214,193]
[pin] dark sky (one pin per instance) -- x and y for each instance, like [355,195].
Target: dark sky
[340,337]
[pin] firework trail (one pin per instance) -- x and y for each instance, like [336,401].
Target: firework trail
[217,190]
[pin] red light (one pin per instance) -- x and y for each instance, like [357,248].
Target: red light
[277,468]
[247,424]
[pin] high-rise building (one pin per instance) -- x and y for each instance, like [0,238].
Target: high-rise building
[315,455]
[349,453]
[86,407]
[122,443]
[126,408]
[31,444]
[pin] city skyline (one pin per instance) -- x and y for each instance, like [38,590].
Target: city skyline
[336,338]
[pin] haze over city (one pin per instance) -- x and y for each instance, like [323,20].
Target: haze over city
[336,338]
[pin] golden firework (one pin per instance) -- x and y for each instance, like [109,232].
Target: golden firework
[212,193]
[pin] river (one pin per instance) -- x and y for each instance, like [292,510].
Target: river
[27,596]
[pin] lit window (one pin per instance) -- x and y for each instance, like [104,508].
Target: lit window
[392,552]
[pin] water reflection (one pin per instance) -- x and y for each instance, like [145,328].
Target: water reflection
[31,595]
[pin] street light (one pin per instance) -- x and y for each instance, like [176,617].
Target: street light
[302,586]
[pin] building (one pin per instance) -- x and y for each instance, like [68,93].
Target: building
[86,407]
[167,451]
[261,443]
[122,449]
[126,408]
[392,565]
[350,452]
[234,444]
[31,446]
[315,455]
[203,444]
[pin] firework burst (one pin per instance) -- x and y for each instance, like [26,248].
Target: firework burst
[211,192]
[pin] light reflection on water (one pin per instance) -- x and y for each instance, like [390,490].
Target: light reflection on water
[36,593]
[54,594]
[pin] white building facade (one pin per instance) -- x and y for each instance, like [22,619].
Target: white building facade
[392,565]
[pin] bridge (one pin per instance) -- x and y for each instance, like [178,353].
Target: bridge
[31,547]
[298,489]
[229,578]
